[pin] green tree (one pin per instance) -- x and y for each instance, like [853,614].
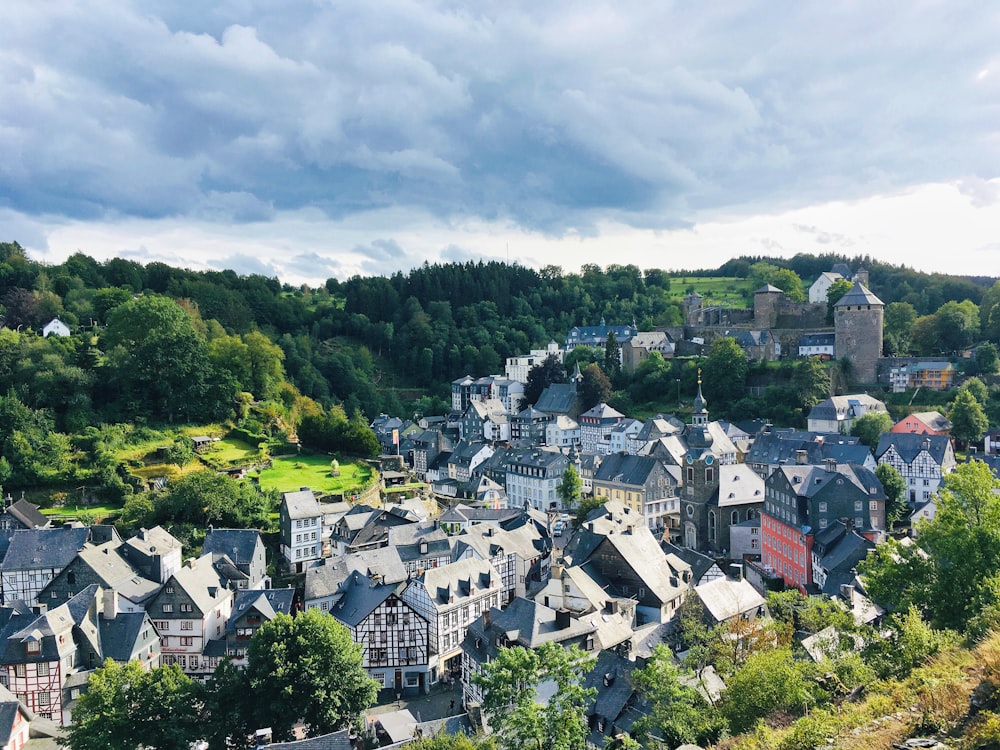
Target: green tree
[869,427]
[678,713]
[128,707]
[510,687]
[911,642]
[595,388]
[978,389]
[897,330]
[987,360]
[837,290]
[550,370]
[957,324]
[769,682]
[725,372]
[204,497]
[895,492]
[612,355]
[811,381]
[968,421]
[570,487]
[267,372]
[307,668]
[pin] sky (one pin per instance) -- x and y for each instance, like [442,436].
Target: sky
[308,139]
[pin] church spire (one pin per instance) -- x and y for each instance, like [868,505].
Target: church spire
[699,415]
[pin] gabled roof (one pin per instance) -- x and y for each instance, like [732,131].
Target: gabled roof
[817,339]
[361,596]
[202,583]
[301,504]
[115,572]
[846,407]
[614,701]
[725,598]
[334,741]
[121,635]
[269,602]
[622,468]
[768,289]
[31,549]
[457,579]
[909,445]
[935,420]
[558,398]
[28,514]
[739,485]
[237,544]
[154,541]
[602,412]
[700,564]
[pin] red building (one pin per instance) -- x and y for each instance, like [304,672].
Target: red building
[801,500]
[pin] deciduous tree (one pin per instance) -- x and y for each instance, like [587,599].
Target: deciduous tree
[868,428]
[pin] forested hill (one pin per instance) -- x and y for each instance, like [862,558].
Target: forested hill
[373,344]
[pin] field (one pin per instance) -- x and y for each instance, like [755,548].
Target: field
[725,290]
[289,473]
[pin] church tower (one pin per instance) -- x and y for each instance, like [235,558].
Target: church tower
[858,321]
[699,522]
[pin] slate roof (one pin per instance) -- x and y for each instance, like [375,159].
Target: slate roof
[116,573]
[31,549]
[28,514]
[809,480]
[269,602]
[611,677]
[455,578]
[909,445]
[602,412]
[156,540]
[779,446]
[301,504]
[557,398]
[8,712]
[334,741]
[622,468]
[120,635]
[846,407]
[201,581]
[361,597]
[935,420]
[817,339]
[859,295]
[768,289]
[700,564]
[739,485]
[839,551]
[51,623]
[238,545]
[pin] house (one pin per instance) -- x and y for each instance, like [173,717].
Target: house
[924,423]
[243,549]
[531,477]
[15,722]
[744,540]
[465,459]
[486,420]
[703,567]
[449,598]
[104,565]
[251,609]
[596,425]
[774,447]
[652,430]
[597,336]
[517,368]
[301,523]
[936,376]
[817,345]
[922,461]
[802,500]
[729,598]
[562,432]
[340,740]
[35,557]
[616,548]
[560,399]
[55,327]
[818,289]
[758,345]
[42,652]
[21,515]
[520,555]
[364,528]
[522,623]
[836,552]
[427,446]
[528,427]
[571,588]
[623,434]
[395,637]
[638,348]
[641,483]
[420,546]
[154,552]
[838,413]
[191,610]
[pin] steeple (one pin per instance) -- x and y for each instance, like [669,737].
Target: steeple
[699,416]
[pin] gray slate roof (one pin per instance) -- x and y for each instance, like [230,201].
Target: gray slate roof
[558,398]
[238,545]
[909,445]
[268,602]
[31,549]
[859,295]
[334,741]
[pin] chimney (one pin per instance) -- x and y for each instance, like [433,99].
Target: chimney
[110,604]
[562,619]
[831,465]
[486,618]
[263,737]
[926,443]
[189,562]
[734,572]
[801,456]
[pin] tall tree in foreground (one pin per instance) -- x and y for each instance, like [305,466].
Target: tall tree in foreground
[128,708]
[868,428]
[570,488]
[307,668]
[968,421]
[510,685]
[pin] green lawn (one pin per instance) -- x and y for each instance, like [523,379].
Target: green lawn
[289,473]
[729,290]
[232,451]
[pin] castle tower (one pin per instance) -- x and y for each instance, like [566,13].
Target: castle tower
[765,306]
[858,320]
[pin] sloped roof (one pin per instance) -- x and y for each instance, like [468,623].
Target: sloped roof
[334,741]
[301,504]
[116,573]
[360,598]
[31,549]
[859,295]
[557,398]
[739,485]
[909,445]
[935,420]
[768,289]
[156,540]
[238,544]
[201,581]
[725,598]
[120,635]
[28,514]
[623,468]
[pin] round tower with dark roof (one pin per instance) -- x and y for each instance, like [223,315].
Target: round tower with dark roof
[858,321]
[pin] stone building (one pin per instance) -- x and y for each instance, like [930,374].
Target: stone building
[858,322]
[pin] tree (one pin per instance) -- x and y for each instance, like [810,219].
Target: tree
[968,421]
[550,370]
[868,428]
[570,487]
[612,355]
[204,497]
[127,707]
[895,492]
[949,573]
[595,388]
[957,324]
[978,389]
[307,668]
[837,290]
[897,330]
[910,643]
[678,713]
[987,360]
[510,686]
[725,372]
[811,381]
[770,681]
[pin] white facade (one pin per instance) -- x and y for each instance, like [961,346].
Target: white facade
[517,368]
[563,432]
[820,287]
[923,475]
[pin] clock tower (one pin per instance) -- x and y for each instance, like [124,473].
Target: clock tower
[699,519]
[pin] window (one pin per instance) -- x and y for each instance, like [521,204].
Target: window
[754,543]
[822,507]
[161,625]
[168,608]
[858,505]
[734,518]
[187,641]
[20,670]
[711,525]
[187,608]
[822,523]
[34,647]
[42,669]
[43,698]
[169,589]
[187,625]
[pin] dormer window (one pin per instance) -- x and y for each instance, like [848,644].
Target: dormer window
[34,647]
